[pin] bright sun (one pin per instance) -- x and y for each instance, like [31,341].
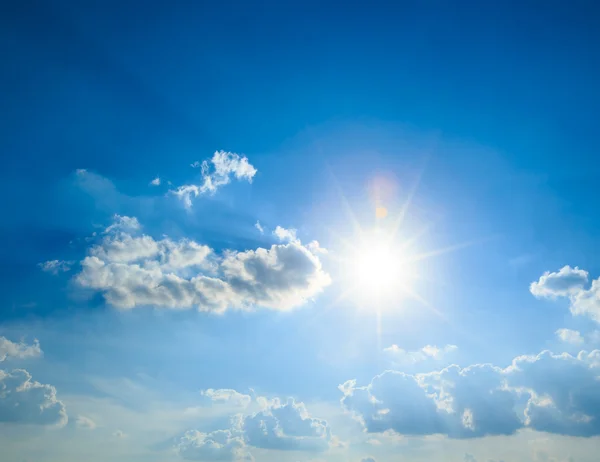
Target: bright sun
[379,269]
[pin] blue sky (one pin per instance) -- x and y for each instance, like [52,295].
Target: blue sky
[308,232]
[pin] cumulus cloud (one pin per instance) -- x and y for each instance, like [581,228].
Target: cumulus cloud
[225,395]
[216,173]
[570,336]
[136,270]
[551,393]
[25,401]
[569,282]
[562,283]
[19,350]
[85,422]
[286,426]
[219,445]
[402,356]
[155,181]
[278,426]
[56,266]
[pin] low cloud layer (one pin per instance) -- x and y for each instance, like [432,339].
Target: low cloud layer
[276,426]
[551,393]
[220,445]
[132,269]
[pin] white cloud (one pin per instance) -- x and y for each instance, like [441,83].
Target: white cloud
[276,426]
[133,270]
[402,356]
[569,282]
[559,284]
[570,336]
[220,445]
[228,396]
[155,182]
[222,167]
[56,266]
[85,422]
[19,350]
[284,234]
[549,393]
[25,401]
[119,434]
[286,426]
[258,226]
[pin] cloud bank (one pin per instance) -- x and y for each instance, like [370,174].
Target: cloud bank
[550,393]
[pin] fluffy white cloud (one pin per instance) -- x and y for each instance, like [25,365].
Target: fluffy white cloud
[559,284]
[402,356]
[218,172]
[570,336]
[25,401]
[85,422]
[551,393]
[56,266]
[225,395]
[286,426]
[569,282]
[155,181]
[19,350]
[220,445]
[136,270]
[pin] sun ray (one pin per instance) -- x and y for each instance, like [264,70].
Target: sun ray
[451,248]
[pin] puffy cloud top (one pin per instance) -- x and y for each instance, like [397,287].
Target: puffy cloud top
[286,426]
[25,401]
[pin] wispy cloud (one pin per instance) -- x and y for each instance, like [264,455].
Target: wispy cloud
[56,266]
[401,356]
[217,172]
